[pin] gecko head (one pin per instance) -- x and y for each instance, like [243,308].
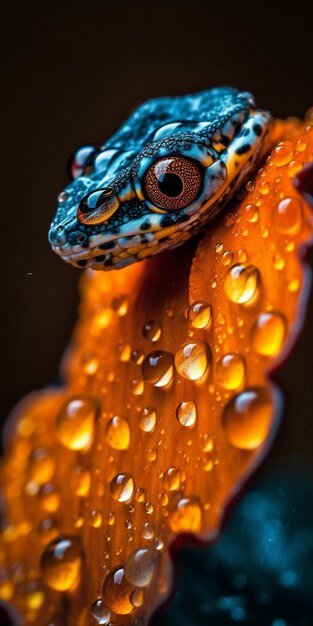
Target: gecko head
[170,169]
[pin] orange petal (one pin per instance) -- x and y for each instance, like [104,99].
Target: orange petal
[166,409]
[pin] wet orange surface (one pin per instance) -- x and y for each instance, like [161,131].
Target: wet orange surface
[165,410]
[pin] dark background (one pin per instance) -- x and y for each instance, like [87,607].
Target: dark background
[71,75]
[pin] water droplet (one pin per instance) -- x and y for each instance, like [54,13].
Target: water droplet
[200,314]
[264,188]
[230,371]
[172,479]
[282,154]
[141,566]
[186,413]
[116,592]
[120,304]
[111,518]
[151,454]
[100,612]
[137,386]
[137,356]
[95,518]
[192,359]
[90,364]
[82,480]
[301,145]
[227,258]
[41,466]
[76,421]
[148,530]
[61,562]
[122,487]
[140,494]
[268,333]
[247,418]
[287,216]
[252,213]
[241,283]
[186,516]
[49,497]
[147,420]
[124,351]
[152,331]
[157,368]
[136,598]
[118,433]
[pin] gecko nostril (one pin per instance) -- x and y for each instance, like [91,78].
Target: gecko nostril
[77,238]
[57,236]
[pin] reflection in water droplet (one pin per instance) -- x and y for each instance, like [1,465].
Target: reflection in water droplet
[147,420]
[230,371]
[186,413]
[247,418]
[116,592]
[61,562]
[287,216]
[187,515]
[192,359]
[157,368]
[122,487]
[172,478]
[100,612]
[152,331]
[141,566]
[241,283]
[200,314]
[76,422]
[268,333]
[118,433]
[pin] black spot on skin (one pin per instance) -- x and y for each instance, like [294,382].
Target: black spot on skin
[81,263]
[108,245]
[225,140]
[257,129]
[116,231]
[144,240]
[145,225]
[163,239]
[243,149]
[100,258]
[168,220]
[236,164]
[245,132]
[108,262]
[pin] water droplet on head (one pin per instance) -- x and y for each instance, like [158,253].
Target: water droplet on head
[241,283]
[247,418]
[141,565]
[157,368]
[122,487]
[200,314]
[116,592]
[230,371]
[186,413]
[186,516]
[268,333]
[49,498]
[118,433]
[287,216]
[152,331]
[61,562]
[41,466]
[192,359]
[76,422]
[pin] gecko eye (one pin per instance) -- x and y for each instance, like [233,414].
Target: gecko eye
[172,182]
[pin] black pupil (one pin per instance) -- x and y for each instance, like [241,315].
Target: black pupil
[170,185]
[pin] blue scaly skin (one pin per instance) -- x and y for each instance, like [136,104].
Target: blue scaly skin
[168,171]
